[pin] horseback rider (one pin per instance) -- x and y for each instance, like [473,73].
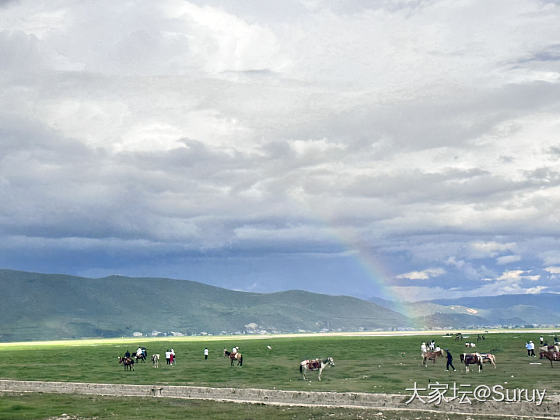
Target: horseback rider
[432,345]
[127,354]
[139,352]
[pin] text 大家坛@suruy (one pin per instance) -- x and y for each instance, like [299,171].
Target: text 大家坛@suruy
[436,393]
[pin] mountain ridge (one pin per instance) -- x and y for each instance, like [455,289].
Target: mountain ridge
[54,306]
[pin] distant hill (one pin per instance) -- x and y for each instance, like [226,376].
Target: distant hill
[483,311]
[51,306]
[530,309]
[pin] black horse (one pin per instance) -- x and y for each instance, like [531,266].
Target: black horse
[127,362]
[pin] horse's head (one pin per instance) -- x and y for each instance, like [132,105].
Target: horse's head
[330,361]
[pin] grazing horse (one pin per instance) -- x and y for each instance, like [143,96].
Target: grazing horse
[315,364]
[234,356]
[155,360]
[553,356]
[471,359]
[431,355]
[470,345]
[127,362]
[488,358]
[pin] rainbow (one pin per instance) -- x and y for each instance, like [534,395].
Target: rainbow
[377,275]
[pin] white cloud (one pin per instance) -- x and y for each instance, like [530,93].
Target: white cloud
[422,275]
[517,275]
[553,270]
[507,259]
[490,249]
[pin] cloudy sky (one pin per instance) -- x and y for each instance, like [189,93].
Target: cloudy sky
[406,148]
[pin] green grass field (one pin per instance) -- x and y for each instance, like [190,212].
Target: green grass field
[363,364]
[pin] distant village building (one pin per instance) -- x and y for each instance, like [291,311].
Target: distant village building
[137,334]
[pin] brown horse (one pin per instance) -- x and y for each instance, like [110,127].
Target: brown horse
[471,359]
[488,358]
[431,355]
[234,356]
[553,356]
[127,362]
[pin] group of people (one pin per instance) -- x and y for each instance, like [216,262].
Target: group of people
[544,343]
[170,356]
[431,346]
[170,359]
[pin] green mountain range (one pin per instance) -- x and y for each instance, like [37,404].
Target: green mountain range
[38,306]
[51,306]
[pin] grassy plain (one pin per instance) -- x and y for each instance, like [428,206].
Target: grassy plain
[388,364]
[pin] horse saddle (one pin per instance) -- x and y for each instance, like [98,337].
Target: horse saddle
[471,358]
[313,364]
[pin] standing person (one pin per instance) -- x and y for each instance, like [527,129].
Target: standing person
[423,348]
[532,348]
[172,357]
[167,356]
[541,340]
[449,361]
[205,353]
[528,347]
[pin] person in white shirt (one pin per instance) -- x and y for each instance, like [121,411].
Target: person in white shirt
[167,356]
[423,348]
[205,353]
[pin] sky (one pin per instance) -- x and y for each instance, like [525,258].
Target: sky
[406,149]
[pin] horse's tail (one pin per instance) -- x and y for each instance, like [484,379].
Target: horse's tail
[241,360]
[300,368]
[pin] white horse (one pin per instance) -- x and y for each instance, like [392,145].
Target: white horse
[315,364]
[155,360]
[470,345]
